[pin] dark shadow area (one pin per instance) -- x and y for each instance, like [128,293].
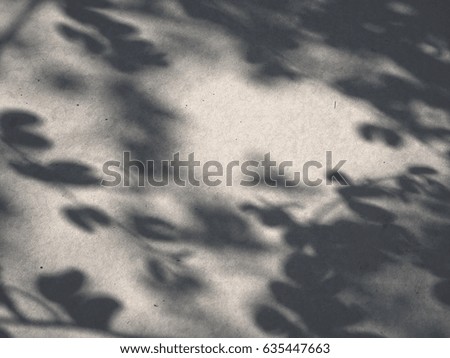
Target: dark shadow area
[151,8]
[326,259]
[265,30]
[5,301]
[4,334]
[173,277]
[9,36]
[144,113]
[222,228]
[442,292]
[58,172]
[274,323]
[115,42]
[395,97]
[435,254]
[154,228]
[412,34]
[388,28]
[338,177]
[66,81]
[18,130]
[330,259]
[354,198]
[87,310]
[281,178]
[9,304]
[374,133]
[61,295]
[87,217]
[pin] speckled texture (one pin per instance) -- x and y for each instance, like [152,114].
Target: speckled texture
[84,81]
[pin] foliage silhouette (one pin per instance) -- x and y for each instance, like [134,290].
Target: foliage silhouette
[87,217]
[4,334]
[114,42]
[16,127]
[328,259]
[154,228]
[172,277]
[86,310]
[59,172]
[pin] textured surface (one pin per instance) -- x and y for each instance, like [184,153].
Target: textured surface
[83,81]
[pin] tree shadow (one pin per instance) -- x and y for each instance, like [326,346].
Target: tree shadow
[265,29]
[87,217]
[4,334]
[222,228]
[393,29]
[113,41]
[171,276]
[17,129]
[414,36]
[396,97]
[442,292]
[330,259]
[146,114]
[154,228]
[66,81]
[58,172]
[326,259]
[67,304]
[411,35]
[86,310]
[9,35]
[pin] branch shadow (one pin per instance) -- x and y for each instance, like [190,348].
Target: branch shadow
[111,40]
[330,259]
[265,30]
[86,310]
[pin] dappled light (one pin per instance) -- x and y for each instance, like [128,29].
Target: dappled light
[364,253]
